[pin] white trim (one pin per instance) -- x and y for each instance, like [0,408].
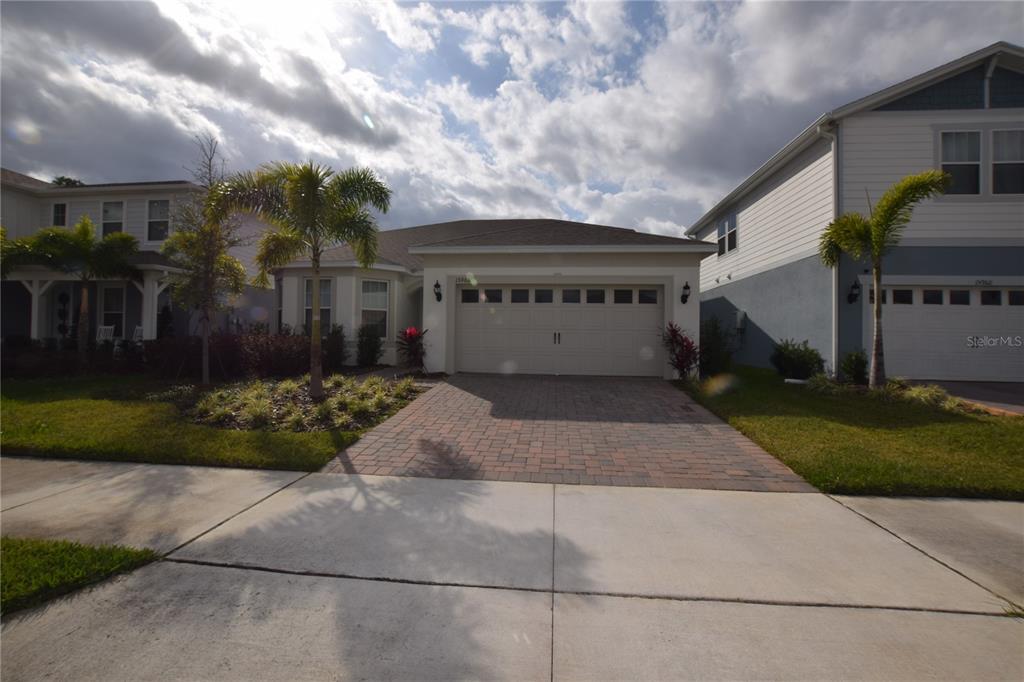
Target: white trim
[993,162]
[695,247]
[305,264]
[101,287]
[387,310]
[67,212]
[992,282]
[124,215]
[146,241]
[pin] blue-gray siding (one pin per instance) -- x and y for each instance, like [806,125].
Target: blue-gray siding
[792,301]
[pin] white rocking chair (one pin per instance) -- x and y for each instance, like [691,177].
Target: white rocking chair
[137,334]
[104,333]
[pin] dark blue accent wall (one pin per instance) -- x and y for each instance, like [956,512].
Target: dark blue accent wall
[792,301]
[1006,89]
[962,91]
[940,261]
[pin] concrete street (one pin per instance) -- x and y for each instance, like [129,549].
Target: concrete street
[274,575]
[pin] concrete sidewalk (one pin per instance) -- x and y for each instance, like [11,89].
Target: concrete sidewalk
[279,575]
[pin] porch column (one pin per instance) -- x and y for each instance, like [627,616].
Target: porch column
[151,288]
[36,289]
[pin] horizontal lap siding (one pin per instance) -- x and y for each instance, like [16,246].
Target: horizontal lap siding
[879,148]
[778,222]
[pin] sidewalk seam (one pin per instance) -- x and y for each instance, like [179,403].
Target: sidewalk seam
[582,593]
[238,513]
[922,551]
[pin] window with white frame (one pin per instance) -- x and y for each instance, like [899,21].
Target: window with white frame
[961,158]
[374,306]
[60,215]
[113,217]
[726,235]
[158,219]
[112,309]
[1008,162]
[325,306]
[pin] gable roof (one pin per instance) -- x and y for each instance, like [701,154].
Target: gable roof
[1009,55]
[404,246]
[9,178]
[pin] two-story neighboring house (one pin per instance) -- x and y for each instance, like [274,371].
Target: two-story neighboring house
[952,291]
[40,303]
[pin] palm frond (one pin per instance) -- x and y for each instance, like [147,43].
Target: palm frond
[111,257]
[260,192]
[305,188]
[357,228]
[850,233]
[277,248]
[893,211]
[358,187]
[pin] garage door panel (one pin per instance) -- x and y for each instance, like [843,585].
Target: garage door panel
[934,341]
[559,338]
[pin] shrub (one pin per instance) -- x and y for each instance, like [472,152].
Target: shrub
[854,368]
[683,354]
[369,346]
[826,385]
[797,360]
[275,355]
[411,348]
[335,352]
[717,344]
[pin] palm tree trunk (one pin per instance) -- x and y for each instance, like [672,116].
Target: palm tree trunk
[83,322]
[316,372]
[205,324]
[877,354]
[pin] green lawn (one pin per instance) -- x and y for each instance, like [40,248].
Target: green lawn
[32,571]
[108,418]
[858,445]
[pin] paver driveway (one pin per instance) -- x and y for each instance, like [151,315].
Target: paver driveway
[544,429]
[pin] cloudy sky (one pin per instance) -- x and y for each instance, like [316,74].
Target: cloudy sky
[632,114]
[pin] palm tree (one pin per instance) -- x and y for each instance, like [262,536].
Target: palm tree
[77,251]
[310,209]
[872,237]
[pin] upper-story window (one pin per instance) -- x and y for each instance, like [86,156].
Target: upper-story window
[158,220]
[961,158]
[113,217]
[726,235]
[1008,162]
[60,215]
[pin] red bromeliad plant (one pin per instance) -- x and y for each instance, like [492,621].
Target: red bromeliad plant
[683,353]
[410,345]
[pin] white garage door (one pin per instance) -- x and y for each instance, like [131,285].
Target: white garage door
[538,329]
[968,334]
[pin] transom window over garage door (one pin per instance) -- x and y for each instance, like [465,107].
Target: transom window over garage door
[545,329]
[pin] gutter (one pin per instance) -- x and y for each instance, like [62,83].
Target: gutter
[694,247]
[825,130]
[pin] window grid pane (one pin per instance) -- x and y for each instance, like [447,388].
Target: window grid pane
[376,319]
[959,297]
[932,297]
[623,296]
[595,295]
[992,297]
[375,295]
[1015,296]
[543,295]
[470,296]
[570,295]
[648,296]
[492,296]
[961,147]
[903,296]
[1008,145]
[60,214]
[520,296]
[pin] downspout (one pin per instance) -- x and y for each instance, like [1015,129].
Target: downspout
[825,129]
[988,81]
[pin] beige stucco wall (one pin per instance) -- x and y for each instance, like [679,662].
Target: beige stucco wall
[670,270]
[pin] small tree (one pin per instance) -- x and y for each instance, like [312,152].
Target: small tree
[872,237]
[77,251]
[200,247]
[310,209]
[65,181]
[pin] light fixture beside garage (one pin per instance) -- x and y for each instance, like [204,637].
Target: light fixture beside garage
[686,293]
[437,290]
[854,292]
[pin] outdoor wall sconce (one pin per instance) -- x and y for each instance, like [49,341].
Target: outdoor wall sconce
[686,293]
[437,290]
[854,292]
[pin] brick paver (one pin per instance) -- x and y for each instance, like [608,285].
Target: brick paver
[587,430]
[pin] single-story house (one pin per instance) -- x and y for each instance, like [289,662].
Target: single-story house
[513,296]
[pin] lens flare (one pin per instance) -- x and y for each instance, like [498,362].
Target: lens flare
[720,383]
[368,121]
